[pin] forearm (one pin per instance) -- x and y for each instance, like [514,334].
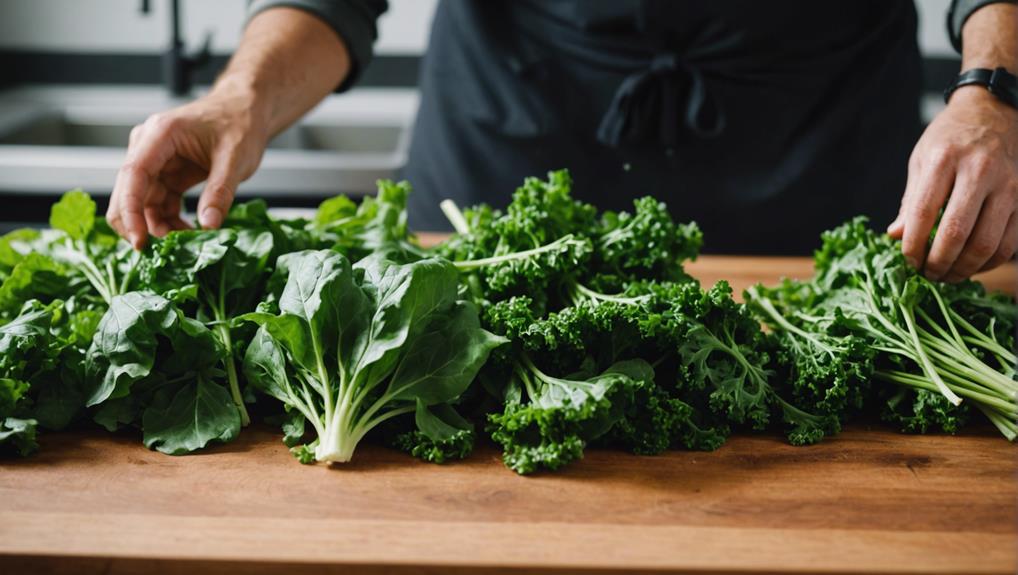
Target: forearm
[990,38]
[288,61]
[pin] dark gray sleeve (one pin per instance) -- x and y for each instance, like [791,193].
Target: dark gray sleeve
[355,21]
[959,12]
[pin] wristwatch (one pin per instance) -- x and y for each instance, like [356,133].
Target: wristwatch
[999,82]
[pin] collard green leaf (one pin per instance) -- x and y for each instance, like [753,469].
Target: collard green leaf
[200,412]
[365,344]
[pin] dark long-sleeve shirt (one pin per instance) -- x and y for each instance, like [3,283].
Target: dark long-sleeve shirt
[766,126]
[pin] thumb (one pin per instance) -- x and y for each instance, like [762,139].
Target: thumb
[219,191]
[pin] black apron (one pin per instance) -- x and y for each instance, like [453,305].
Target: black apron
[765,122]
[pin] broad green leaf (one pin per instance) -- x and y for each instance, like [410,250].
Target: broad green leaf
[35,277]
[265,366]
[405,298]
[200,412]
[335,210]
[74,214]
[442,361]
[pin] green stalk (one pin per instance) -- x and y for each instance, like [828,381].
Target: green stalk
[455,216]
[924,361]
[913,380]
[483,262]
[1006,426]
[223,329]
[578,289]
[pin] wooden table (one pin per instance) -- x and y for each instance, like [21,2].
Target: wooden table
[866,501]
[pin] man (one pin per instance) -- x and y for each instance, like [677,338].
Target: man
[765,125]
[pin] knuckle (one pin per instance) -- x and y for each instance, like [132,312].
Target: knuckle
[220,192]
[130,168]
[952,231]
[981,164]
[924,211]
[1011,188]
[981,248]
[935,269]
[939,156]
[913,160]
[163,122]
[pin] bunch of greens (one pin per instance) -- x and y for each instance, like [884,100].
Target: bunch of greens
[152,366]
[582,328]
[41,352]
[216,274]
[56,285]
[354,346]
[866,313]
[611,342]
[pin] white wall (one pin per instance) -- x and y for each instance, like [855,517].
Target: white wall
[933,38]
[119,26]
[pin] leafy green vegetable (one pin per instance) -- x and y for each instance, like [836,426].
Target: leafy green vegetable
[549,420]
[354,347]
[152,366]
[441,434]
[940,342]
[223,271]
[91,246]
[40,379]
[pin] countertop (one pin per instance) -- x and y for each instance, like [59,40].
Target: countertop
[867,501]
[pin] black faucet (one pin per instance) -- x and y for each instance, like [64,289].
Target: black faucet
[178,66]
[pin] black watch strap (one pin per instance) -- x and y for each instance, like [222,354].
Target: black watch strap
[998,81]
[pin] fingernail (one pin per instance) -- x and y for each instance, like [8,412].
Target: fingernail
[911,261]
[137,240]
[211,217]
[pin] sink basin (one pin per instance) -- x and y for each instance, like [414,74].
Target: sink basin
[55,139]
[61,129]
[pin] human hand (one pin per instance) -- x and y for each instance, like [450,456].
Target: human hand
[967,159]
[219,139]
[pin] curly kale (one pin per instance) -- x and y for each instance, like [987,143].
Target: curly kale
[549,420]
[644,244]
[867,311]
[829,367]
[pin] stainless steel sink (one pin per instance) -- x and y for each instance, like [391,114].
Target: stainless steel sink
[58,129]
[53,140]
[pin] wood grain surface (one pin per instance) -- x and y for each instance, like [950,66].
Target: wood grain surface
[867,501]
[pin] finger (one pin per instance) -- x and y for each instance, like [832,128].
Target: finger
[897,227]
[219,190]
[130,188]
[171,212]
[936,177]
[113,209]
[985,237]
[963,207]
[152,149]
[113,214]
[154,198]
[1008,245]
